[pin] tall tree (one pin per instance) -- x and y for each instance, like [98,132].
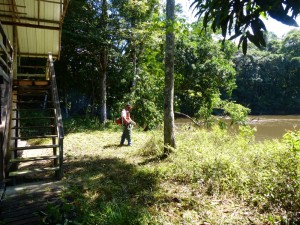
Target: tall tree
[103,60]
[291,44]
[169,131]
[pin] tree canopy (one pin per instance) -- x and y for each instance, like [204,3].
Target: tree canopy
[242,18]
[205,72]
[268,80]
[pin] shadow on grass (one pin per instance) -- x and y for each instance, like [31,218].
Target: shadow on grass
[155,159]
[82,124]
[113,146]
[109,191]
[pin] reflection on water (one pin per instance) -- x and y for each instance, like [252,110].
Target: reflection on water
[268,127]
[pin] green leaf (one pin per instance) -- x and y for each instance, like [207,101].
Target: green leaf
[240,41]
[253,39]
[235,35]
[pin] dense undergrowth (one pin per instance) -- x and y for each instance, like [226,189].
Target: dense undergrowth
[213,177]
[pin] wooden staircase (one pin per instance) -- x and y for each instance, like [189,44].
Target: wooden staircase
[36,130]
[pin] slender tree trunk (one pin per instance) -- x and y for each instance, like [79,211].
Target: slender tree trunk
[103,66]
[66,105]
[102,86]
[169,131]
[134,61]
[134,58]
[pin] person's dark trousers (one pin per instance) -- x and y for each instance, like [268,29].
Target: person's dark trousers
[126,135]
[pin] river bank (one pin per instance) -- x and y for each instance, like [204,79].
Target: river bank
[267,127]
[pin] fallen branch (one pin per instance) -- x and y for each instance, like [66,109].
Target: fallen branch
[187,116]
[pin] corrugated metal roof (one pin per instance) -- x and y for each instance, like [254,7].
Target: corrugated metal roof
[38,25]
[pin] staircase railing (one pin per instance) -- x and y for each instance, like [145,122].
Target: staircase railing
[58,117]
[6,65]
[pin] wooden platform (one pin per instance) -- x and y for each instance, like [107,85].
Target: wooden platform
[26,204]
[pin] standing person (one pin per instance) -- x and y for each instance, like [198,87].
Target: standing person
[127,123]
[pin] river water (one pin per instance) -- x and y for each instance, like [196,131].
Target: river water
[267,127]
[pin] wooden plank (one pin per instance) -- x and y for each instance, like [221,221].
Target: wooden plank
[30,190]
[33,127]
[31,219]
[6,53]
[31,102]
[34,67]
[30,75]
[4,63]
[20,200]
[3,74]
[25,172]
[32,86]
[34,137]
[32,109]
[4,37]
[23,82]
[42,93]
[41,82]
[35,118]
[34,147]
[34,158]
[28,212]
[18,206]
[25,208]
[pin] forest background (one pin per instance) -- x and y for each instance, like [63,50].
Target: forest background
[114,53]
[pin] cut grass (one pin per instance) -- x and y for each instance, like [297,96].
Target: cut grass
[211,178]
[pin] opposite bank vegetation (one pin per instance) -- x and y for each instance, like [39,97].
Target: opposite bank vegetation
[213,177]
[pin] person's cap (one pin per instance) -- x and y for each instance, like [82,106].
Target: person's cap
[128,105]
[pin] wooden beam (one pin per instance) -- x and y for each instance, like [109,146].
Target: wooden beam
[4,64]
[6,52]
[6,4]
[27,54]
[40,67]
[50,2]
[29,25]
[4,75]
[39,12]
[30,75]
[31,19]
[12,12]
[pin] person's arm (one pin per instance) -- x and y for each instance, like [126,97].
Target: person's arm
[130,121]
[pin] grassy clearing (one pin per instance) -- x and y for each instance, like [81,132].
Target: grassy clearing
[211,178]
